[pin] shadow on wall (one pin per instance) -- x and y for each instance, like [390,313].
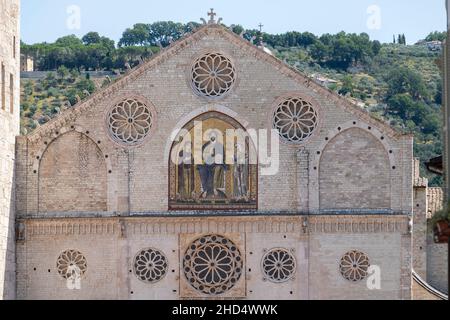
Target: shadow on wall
[9,276]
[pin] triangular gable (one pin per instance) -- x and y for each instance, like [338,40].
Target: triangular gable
[72,113]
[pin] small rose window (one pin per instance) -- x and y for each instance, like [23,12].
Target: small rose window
[295,119]
[129,122]
[213,75]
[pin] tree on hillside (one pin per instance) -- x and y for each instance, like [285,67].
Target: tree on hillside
[436,36]
[422,115]
[342,50]
[62,72]
[165,32]
[138,35]
[69,41]
[91,38]
[237,28]
[404,80]
[401,39]
[158,33]
[191,26]
[376,47]
[347,86]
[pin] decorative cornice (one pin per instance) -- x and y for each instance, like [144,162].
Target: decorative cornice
[359,224]
[127,227]
[71,114]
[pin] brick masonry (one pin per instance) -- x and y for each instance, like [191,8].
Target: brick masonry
[110,244]
[82,187]
[344,183]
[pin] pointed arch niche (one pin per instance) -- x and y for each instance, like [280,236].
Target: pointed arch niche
[199,179]
[355,173]
[72,176]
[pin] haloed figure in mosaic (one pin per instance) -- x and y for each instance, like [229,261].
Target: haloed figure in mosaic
[212,172]
[185,171]
[240,173]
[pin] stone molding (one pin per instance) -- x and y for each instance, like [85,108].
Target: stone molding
[126,227]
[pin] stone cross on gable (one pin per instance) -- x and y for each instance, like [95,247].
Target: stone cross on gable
[212,16]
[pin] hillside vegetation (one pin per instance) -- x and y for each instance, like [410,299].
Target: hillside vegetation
[398,83]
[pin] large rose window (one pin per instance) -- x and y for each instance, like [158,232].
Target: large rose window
[213,265]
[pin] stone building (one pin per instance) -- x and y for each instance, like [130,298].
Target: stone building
[9,128]
[430,260]
[99,198]
[26,63]
[158,187]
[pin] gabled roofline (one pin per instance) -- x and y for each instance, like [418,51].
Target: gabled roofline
[72,113]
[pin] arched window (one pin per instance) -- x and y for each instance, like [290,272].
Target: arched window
[212,166]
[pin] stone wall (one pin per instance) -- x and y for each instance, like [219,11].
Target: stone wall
[437,265]
[420,231]
[437,254]
[9,128]
[72,176]
[354,173]
[111,245]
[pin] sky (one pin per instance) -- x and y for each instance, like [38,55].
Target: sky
[46,20]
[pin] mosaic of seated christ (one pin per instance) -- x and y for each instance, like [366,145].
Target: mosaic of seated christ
[212,164]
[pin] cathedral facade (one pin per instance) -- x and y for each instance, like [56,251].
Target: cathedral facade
[211,171]
[139,192]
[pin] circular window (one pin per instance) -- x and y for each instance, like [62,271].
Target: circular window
[354,266]
[295,119]
[130,122]
[150,265]
[71,263]
[213,75]
[213,265]
[278,265]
